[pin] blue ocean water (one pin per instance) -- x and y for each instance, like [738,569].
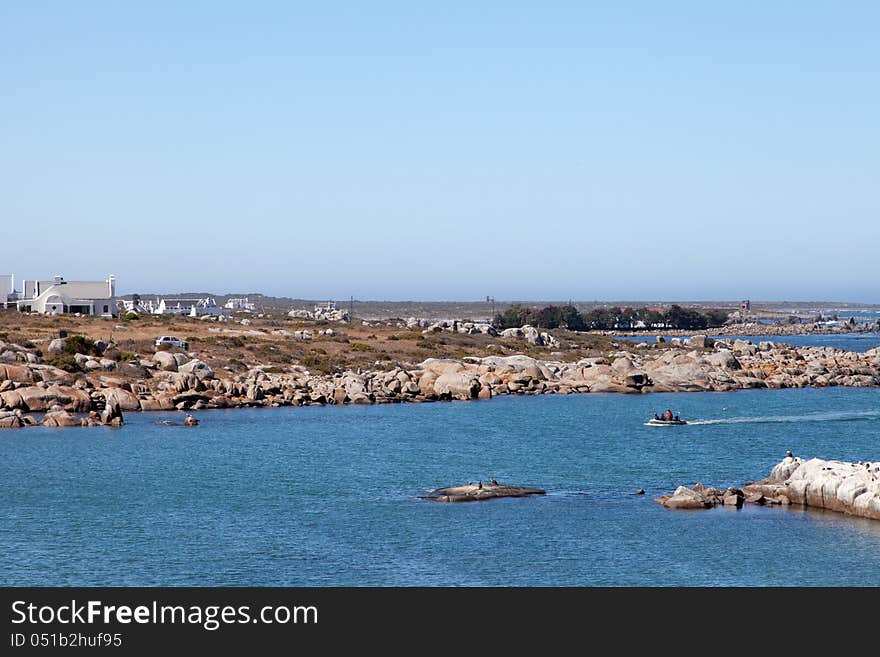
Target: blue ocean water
[860,342]
[329,496]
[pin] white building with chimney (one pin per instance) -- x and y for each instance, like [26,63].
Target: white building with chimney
[57,297]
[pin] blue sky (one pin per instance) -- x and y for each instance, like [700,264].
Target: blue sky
[626,150]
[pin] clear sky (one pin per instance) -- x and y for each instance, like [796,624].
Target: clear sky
[445,150]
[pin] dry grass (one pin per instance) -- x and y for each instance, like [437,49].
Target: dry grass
[236,347]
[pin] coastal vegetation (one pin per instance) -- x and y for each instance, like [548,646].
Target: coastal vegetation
[612,318]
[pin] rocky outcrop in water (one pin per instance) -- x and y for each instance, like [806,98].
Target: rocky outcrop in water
[852,488]
[479,492]
[702,497]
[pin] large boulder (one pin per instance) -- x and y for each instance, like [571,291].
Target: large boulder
[165,360]
[744,347]
[441,365]
[686,498]
[56,347]
[197,368]
[124,399]
[517,360]
[785,468]
[852,488]
[622,365]
[724,359]
[51,374]
[16,373]
[457,385]
[162,402]
[112,413]
[10,420]
[37,398]
[60,419]
[681,374]
[700,341]
[636,379]
[532,336]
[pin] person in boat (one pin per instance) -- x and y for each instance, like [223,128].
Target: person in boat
[668,416]
[677,419]
[656,417]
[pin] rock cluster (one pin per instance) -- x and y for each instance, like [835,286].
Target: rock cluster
[321,313]
[531,335]
[167,380]
[454,326]
[702,497]
[852,488]
[57,416]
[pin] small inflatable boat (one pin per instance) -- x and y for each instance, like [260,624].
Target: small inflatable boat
[654,422]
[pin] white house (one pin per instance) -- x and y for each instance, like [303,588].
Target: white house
[58,296]
[191,307]
[240,304]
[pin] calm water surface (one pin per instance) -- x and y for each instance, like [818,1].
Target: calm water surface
[328,496]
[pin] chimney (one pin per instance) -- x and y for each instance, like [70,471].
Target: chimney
[111,283]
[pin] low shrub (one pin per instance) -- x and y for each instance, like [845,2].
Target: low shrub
[65,362]
[79,344]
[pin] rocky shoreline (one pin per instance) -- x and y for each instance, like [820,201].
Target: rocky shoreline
[850,488]
[181,381]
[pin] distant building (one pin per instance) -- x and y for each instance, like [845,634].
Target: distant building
[7,290]
[58,297]
[137,305]
[240,304]
[190,307]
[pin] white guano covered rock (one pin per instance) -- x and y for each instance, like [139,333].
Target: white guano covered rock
[852,488]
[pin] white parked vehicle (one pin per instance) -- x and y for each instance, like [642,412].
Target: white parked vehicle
[171,341]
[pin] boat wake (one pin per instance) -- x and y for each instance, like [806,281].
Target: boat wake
[828,416]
